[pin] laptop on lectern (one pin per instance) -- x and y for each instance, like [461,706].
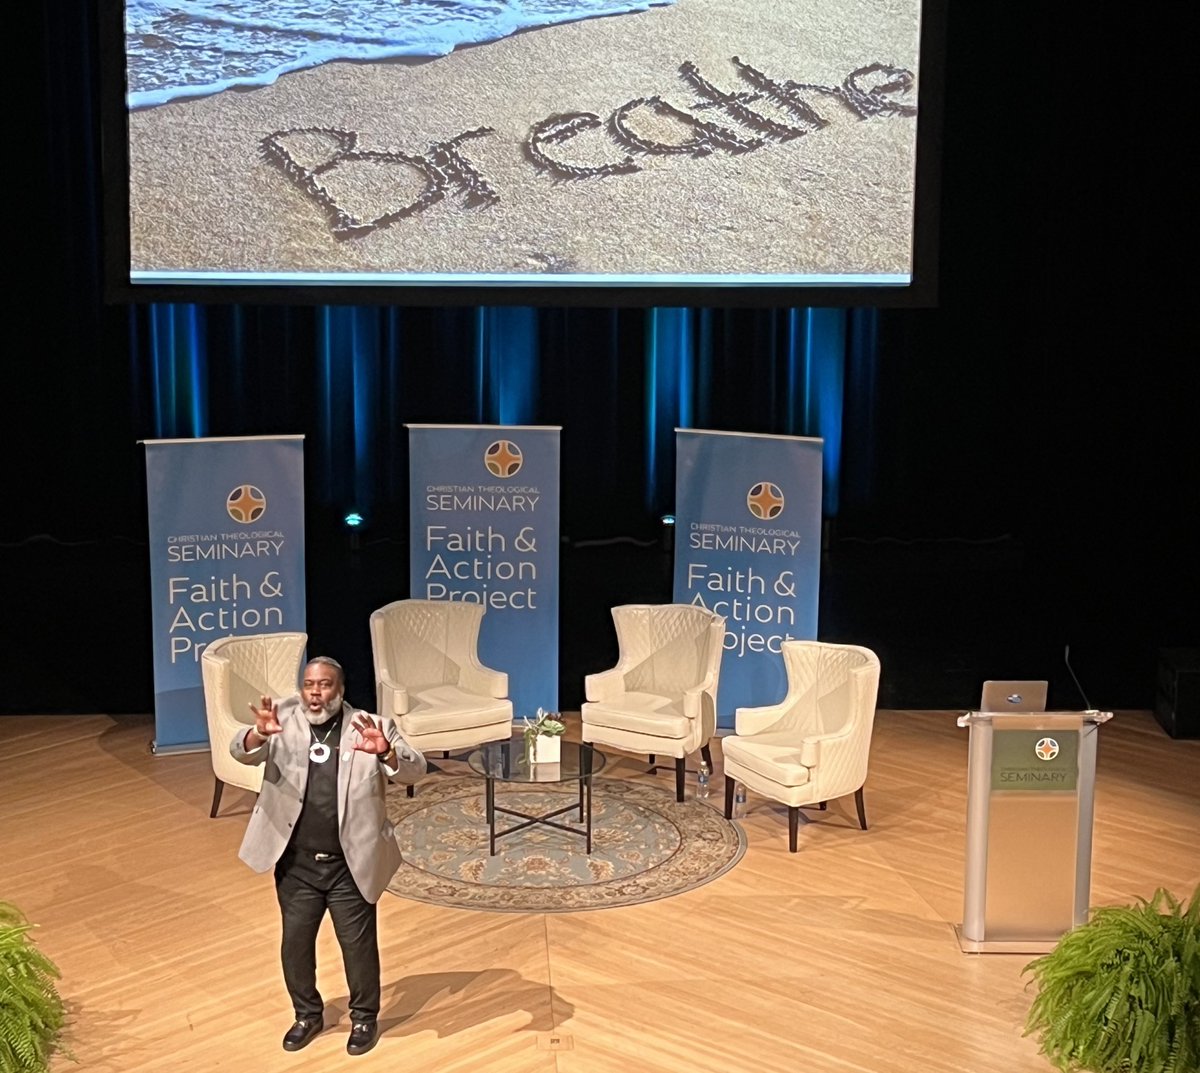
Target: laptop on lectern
[1004,696]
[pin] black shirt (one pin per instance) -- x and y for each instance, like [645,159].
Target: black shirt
[317,827]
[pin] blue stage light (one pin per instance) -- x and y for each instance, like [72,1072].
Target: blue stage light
[353,520]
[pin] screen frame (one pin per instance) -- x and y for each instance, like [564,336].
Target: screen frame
[920,292]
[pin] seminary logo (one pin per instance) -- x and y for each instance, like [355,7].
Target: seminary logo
[1046,749]
[503,458]
[246,504]
[765,501]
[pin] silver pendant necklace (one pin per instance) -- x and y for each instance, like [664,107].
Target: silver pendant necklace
[318,751]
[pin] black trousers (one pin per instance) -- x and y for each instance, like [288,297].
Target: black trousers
[307,887]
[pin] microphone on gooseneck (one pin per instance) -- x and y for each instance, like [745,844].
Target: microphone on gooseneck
[1067,660]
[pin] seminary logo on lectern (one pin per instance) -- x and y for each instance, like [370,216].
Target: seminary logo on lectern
[765,501]
[503,458]
[1046,749]
[246,504]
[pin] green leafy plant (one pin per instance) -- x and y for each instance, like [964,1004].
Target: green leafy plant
[1121,993]
[31,1011]
[547,724]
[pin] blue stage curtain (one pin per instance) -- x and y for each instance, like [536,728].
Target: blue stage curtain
[176,379]
[789,366]
[619,381]
[506,355]
[350,356]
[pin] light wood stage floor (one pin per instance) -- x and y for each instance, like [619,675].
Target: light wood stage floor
[839,958]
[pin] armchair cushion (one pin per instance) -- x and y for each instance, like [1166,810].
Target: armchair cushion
[777,757]
[442,708]
[641,713]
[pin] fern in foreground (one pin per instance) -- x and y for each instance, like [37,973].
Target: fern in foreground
[1121,993]
[31,1011]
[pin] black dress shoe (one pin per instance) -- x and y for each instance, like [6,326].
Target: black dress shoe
[301,1034]
[363,1036]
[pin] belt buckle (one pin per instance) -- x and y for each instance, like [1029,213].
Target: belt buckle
[324,856]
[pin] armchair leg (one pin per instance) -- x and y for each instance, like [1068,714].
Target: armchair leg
[445,754]
[216,804]
[862,811]
[410,790]
[823,805]
[728,797]
[680,776]
[706,752]
[652,760]
[793,826]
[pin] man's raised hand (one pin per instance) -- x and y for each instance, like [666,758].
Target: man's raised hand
[266,718]
[372,739]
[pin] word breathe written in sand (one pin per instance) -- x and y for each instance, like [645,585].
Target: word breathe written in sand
[877,90]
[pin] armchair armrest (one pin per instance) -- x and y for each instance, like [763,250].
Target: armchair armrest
[393,697]
[813,746]
[693,699]
[747,721]
[604,685]
[476,678]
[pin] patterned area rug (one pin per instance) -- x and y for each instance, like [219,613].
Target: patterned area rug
[645,845]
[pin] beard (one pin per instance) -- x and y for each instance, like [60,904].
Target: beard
[325,714]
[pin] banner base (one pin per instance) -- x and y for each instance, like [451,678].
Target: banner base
[184,747]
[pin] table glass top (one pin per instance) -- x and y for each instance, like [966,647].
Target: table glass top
[505,761]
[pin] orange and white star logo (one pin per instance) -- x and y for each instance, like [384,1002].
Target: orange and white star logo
[765,501]
[503,458]
[246,504]
[1046,749]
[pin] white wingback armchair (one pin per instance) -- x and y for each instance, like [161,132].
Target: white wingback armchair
[428,675]
[811,747]
[661,697]
[238,672]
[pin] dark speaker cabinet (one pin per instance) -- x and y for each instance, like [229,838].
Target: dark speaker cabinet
[1177,705]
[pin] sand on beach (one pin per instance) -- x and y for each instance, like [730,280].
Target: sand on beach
[205,195]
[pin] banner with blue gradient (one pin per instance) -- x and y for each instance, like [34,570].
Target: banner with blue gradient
[226,557]
[484,529]
[748,547]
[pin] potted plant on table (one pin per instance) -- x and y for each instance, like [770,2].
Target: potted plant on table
[543,738]
[1121,993]
[31,1011]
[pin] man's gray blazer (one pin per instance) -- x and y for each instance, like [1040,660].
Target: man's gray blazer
[368,840]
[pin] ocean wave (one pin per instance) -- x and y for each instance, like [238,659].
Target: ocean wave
[176,50]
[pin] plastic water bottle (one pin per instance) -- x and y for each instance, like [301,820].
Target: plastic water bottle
[739,800]
[702,780]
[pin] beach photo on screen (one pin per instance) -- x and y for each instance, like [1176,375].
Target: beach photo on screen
[500,141]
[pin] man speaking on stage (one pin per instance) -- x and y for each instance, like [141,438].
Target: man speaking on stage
[321,823]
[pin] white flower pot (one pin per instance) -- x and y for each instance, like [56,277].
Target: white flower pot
[547,749]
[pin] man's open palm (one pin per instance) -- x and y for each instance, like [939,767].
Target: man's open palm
[266,718]
[372,739]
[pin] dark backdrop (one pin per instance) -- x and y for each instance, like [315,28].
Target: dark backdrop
[1019,468]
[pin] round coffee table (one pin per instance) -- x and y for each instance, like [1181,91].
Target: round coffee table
[504,761]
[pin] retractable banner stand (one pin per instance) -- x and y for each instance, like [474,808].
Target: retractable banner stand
[484,529]
[226,557]
[748,547]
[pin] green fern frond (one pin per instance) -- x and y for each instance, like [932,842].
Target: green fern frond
[31,1011]
[1121,993]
